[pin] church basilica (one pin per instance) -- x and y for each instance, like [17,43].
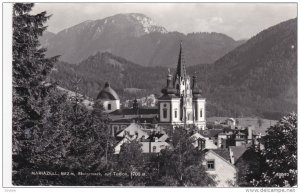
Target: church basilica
[181,104]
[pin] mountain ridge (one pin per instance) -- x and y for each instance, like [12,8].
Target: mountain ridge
[137,38]
[258,78]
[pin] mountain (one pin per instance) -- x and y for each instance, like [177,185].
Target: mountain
[137,38]
[47,36]
[123,75]
[258,78]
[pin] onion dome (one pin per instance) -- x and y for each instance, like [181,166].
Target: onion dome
[197,92]
[107,93]
[169,90]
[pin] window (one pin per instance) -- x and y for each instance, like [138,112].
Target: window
[165,113]
[154,148]
[200,112]
[189,117]
[211,164]
[201,144]
[109,106]
[175,113]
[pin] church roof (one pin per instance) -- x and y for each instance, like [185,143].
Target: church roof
[107,93]
[180,71]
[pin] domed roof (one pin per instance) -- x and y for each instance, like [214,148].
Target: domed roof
[107,93]
[169,90]
[197,92]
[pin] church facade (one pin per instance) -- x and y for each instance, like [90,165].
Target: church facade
[181,103]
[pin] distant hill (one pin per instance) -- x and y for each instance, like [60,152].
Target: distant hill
[258,78]
[137,38]
[123,75]
[47,36]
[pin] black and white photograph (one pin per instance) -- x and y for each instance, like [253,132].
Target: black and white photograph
[151,95]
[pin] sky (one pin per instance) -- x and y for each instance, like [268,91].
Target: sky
[237,20]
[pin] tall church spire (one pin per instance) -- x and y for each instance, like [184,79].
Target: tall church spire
[180,72]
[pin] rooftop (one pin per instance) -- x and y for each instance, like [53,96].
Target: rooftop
[224,153]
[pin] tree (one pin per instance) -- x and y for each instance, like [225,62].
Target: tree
[51,131]
[131,160]
[279,156]
[249,166]
[131,157]
[186,167]
[30,70]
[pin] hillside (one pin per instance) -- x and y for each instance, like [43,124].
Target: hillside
[137,38]
[123,75]
[259,78]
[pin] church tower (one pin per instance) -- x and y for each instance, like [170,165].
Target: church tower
[179,105]
[182,83]
[198,106]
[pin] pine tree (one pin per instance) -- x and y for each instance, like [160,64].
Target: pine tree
[30,70]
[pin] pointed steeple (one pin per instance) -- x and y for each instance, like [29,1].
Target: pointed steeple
[180,72]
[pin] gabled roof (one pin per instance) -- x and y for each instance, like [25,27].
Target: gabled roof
[224,153]
[152,136]
[133,129]
[237,151]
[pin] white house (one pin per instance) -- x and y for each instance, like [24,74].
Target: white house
[218,164]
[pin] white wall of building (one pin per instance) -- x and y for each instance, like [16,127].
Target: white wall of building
[162,106]
[175,107]
[115,104]
[200,113]
[224,171]
[154,147]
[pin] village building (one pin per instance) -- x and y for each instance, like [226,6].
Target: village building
[109,99]
[217,162]
[181,104]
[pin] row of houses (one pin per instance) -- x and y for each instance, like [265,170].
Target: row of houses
[220,158]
